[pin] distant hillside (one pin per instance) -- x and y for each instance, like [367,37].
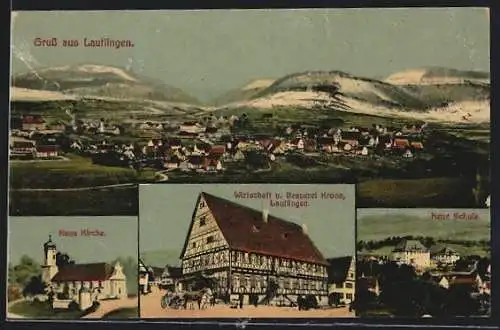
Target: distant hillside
[437,75]
[102,81]
[379,227]
[343,84]
[160,258]
[466,102]
[247,92]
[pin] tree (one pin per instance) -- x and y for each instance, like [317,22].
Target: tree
[24,271]
[35,286]
[63,260]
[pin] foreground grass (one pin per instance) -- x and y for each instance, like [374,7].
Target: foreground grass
[109,201]
[77,172]
[41,310]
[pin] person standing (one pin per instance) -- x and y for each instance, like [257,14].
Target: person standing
[241,300]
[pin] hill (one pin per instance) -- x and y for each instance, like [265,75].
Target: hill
[339,91]
[246,92]
[160,258]
[56,105]
[100,81]
[379,227]
[437,76]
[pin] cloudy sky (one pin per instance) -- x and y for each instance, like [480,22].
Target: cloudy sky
[207,53]
[165,213]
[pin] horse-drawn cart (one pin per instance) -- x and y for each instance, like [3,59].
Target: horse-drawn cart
[178,300]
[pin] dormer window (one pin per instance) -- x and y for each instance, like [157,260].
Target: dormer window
[202,204]
[193,245]
[203,221]
[210,239]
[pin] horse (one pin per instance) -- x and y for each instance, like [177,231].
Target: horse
[202,297]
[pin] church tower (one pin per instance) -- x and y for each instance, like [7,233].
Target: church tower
[49,267]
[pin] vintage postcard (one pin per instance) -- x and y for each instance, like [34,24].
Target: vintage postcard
[246,251]
[64,268]
[423,263]
[396,100]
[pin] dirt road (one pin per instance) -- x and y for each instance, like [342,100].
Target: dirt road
[111,305]
[150,308]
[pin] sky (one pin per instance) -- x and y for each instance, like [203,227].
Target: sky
[377,224]
[165,213]
[207,53]
[28,234]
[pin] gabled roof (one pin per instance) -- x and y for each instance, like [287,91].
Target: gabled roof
[172,272]
[245,230]
[34,119]
[338,269]
[446,251]
[407,245]
[84,272]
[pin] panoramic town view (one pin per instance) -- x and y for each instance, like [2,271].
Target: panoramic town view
[423,263]
[90,123]
[246,251]
[72,268]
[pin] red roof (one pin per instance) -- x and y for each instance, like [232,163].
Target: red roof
[208,161]
[46,148]
[417,145]
[218,150]
[401,143]
[84,272]
[33,120]
[245,230]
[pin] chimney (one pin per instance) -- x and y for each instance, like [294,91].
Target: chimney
[304,228]
[265,215]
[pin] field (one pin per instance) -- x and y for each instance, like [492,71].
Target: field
[106,201]
[73,173]
[40,310]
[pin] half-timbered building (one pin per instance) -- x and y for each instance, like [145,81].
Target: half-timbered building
[252,254]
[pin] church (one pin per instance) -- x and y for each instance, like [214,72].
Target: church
[251,254]
[81,283]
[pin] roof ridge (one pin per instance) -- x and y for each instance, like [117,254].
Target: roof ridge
[253,210]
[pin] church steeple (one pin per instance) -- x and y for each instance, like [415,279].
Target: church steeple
[49,245]
[49,260]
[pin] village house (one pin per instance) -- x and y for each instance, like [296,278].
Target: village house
[252,253]
[171,278]
[46,152]
[297,143]
[20,147]
[81,283]
[369,283]
[58,126]
[446,256]
[212,164]
[33,123]
[144,277]
[441,280]
[341,280]
[413,253]
[149,277]
[191,128]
